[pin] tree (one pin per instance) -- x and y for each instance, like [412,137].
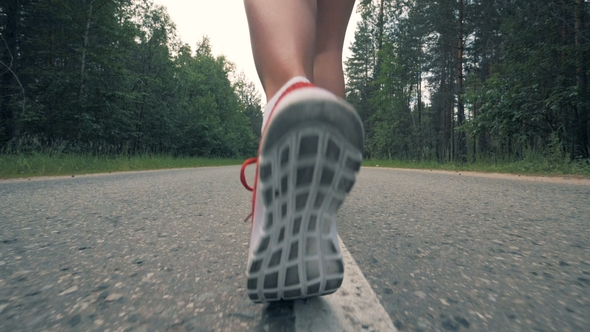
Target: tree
[250,104]
[503,77]
[111,76]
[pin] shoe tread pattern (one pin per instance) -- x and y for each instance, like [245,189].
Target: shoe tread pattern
[304,178]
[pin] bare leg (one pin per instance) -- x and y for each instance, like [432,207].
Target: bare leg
[332,20]
[283,37]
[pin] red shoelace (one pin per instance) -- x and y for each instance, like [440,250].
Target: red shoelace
[247,163]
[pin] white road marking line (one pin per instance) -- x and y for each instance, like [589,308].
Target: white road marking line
[354,307]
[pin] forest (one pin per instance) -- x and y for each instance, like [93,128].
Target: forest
[438,80]
[111,77]
[462,80]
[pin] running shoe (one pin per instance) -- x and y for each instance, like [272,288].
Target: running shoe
[310,152]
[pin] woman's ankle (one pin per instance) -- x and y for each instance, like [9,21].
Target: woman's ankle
[275,98]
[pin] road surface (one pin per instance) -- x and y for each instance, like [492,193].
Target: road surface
[166,251]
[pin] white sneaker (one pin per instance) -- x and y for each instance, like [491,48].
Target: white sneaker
[310,152]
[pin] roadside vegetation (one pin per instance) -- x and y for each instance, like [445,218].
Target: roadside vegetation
[533,165]
[50,163]
[40,164]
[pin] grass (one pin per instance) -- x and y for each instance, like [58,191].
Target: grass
[526,166]
[25,165]
[37,164]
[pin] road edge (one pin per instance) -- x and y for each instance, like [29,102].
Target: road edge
[560,179]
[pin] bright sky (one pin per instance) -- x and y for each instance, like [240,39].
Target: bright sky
[225,23]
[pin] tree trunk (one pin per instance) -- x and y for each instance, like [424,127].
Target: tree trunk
[445,118]
[9,61]
[582,111]
[564,36]
[461,141]
[84,50]
[447,98]
[476,136]
[419,97]
[380,33]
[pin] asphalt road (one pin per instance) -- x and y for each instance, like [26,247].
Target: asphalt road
[166,251]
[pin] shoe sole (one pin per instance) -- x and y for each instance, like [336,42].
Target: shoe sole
[308,161]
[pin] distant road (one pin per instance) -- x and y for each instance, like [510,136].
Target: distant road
[166,251]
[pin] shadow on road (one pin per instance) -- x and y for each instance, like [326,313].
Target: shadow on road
[277,317]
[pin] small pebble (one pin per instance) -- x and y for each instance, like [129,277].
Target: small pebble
[69,290]
[113,297]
